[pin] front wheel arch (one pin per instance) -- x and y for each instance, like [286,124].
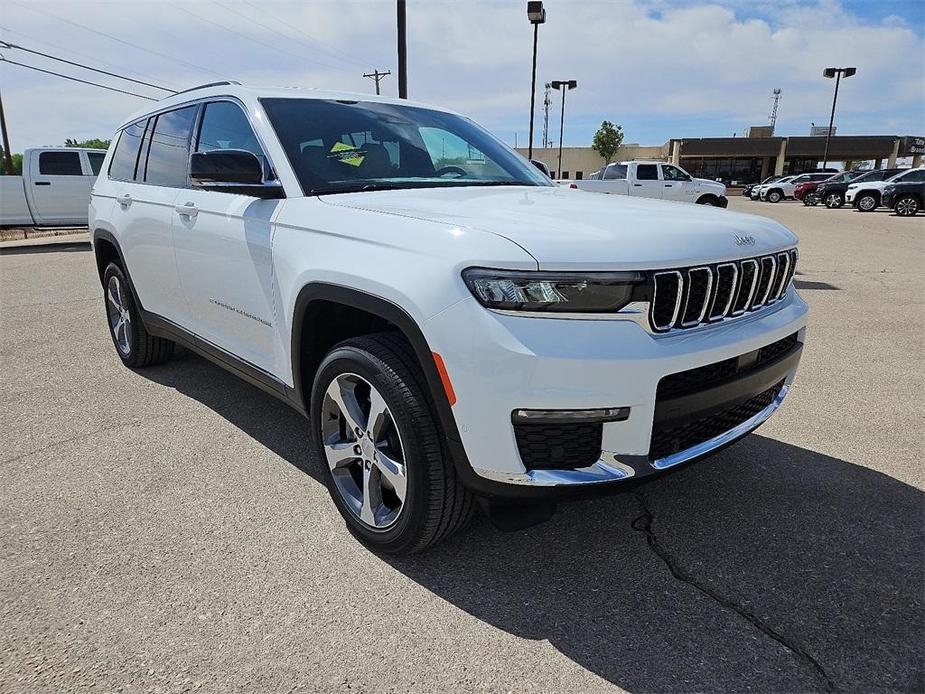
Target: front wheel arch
[708,199]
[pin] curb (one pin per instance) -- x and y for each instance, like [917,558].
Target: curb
[28,233]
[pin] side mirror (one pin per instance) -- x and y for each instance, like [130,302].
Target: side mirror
[232,171]
[541,166]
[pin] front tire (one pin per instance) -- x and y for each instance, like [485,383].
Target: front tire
[708,200]
[775,196]
[134,345]
[810,200]
[907,206]
[867,202]
[834,200]
[379,445]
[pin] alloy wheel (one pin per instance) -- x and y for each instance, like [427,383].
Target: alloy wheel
[832,200]
[867,203]
[907,207]
[364,451]
[120,321]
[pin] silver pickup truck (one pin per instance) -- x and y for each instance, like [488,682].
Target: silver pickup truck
[54,189]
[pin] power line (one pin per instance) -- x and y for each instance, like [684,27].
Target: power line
[278,33]
[345,57]
[122,41]
[377,76]
[4,59]
[6,44]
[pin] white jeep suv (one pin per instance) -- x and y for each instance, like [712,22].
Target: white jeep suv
[455,327]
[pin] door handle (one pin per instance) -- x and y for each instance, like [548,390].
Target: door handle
[125,200]
[637,185]
[43,183]
[669,185]
[188,209]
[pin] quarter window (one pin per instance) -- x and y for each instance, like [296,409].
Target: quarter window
[60,164]
[168,153]
[122,166]
[647,172]
[96,162]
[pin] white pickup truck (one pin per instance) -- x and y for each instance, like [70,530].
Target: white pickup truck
[647,179]
[54,189]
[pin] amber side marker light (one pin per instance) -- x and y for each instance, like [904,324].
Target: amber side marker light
[445,379]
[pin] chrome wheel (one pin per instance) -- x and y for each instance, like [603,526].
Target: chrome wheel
[120,321]
[833,200]
[364,451]
[907,207]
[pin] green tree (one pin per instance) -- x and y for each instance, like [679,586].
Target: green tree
[607,140]
[17,164]
[92,144]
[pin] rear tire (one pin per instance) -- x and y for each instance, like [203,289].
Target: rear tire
[834,200]
[867,202]
[390,476]
[134,345]
[907,206]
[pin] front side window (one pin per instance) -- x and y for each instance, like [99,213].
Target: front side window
[224,126]
[916,176]
[60,164]
[168,153]
[349,146]
[647,172]
[125,158]
[673,173]
[96,161]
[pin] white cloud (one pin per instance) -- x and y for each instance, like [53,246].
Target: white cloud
[682,64]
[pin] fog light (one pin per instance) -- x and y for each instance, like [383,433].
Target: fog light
[606,414]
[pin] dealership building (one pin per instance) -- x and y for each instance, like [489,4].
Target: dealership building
[744,160]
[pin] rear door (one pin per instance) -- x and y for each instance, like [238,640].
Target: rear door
[647,183]
[152,177]
[223,247]
[59,190]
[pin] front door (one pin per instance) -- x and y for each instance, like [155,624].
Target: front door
[223,249]
[677,184]
[60,190]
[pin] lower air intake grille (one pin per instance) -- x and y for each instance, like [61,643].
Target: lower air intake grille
[559,446]
[669,440]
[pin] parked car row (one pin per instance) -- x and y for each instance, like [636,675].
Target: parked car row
[901,190]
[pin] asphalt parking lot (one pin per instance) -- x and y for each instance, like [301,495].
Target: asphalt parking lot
[163,530]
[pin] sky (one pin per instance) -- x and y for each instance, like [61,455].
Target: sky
[659,68]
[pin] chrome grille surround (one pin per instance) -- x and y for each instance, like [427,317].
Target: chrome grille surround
[756,283]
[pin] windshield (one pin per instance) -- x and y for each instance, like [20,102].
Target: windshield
[350,146]
[770,179]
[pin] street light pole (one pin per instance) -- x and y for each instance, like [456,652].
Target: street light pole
[402,51]
[564,86]
[537,15]
[837,73]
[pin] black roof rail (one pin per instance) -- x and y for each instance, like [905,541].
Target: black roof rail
[210,84]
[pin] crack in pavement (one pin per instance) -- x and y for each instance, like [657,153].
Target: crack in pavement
[644,522]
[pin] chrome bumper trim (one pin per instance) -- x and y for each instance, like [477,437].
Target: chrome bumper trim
[724,438]
[609,469]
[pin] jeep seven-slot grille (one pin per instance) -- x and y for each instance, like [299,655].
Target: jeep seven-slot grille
[711,293]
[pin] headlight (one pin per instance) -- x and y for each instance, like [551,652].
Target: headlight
[554,292]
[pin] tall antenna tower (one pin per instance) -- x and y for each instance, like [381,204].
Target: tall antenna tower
[546,102]
[773,117]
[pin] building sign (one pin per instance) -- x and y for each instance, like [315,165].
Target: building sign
[915,145]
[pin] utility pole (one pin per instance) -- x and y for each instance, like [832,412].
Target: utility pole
[546,103]
[7,155]
[773,118]
[402,52]
[377,76]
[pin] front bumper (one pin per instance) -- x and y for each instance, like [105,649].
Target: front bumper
[499,363]
[850,195]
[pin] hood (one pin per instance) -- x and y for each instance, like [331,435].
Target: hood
[708,182]
[568,229]
[868,184]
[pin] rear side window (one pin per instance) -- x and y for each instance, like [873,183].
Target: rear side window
[615,172]
[96,162]
[60,164]
[122,166]
[168,153]
[647,172]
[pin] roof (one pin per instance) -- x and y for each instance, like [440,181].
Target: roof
[249,93]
